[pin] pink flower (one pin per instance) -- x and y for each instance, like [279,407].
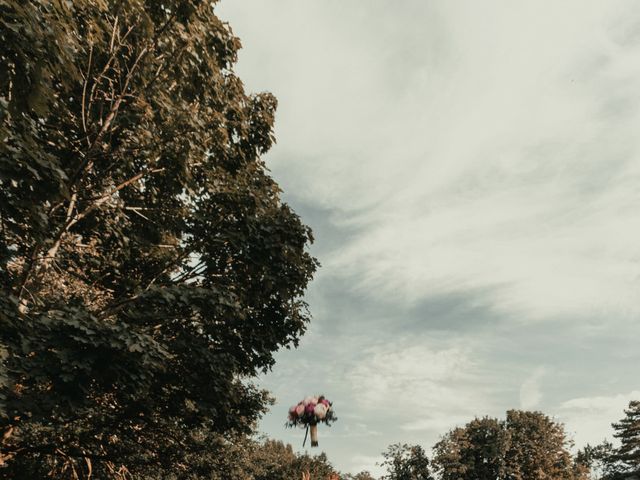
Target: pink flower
[299,409]
[292,411]
[325,402]
[320,411]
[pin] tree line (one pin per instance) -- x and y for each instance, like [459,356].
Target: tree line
[523,446]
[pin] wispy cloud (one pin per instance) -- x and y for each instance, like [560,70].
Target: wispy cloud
[589,418]
[425,385]
[472,150]
[530,390]
[369,463]
[471,170]
[398,375]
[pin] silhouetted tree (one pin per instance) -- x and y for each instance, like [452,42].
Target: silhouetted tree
[599,460]
[627,431]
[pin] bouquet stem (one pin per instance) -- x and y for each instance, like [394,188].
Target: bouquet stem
[314,435]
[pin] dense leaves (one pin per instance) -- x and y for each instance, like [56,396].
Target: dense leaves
[406,462]
[147,264]
[524,446]
[620,461]
[242,458]
[628,433]
[473,451]
[599,461]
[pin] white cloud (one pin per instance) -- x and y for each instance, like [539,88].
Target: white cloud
[407,376]
[487,147]
[439,424]
[589,419]
[360,429]
[424,385]
[474,150]
[530,391]
[369,463]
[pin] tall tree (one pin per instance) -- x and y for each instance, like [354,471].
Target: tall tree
[475,451]
[406,462]
[524,446]
[600,461]
[627,431]
[148,267]
[273,460]
[537,448]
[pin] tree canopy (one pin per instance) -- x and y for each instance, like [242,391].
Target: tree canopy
[406,462]
[471,452]
[627,431]
[148,267]
[620,461]
[524,446]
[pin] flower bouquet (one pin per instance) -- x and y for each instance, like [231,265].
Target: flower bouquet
[308,413]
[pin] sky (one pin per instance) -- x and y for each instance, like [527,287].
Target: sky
[471,173]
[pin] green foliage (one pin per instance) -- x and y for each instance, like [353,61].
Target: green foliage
[406,462]
[537,447]
[628,433]
[599,461]
[243,458]
[622,462]
[524,446]
[474,451]
[148,268]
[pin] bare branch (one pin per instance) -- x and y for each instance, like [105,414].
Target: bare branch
[113,34]
[84,92]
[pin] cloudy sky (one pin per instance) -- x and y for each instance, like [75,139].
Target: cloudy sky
[471,171]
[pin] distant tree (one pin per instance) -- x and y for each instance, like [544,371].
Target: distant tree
[627,431]
[599,461]
[406,462]
[148,267]
[524,446]
[241,457]
[318,466]
[364,475]
[536,448]
[273,460]
[475,451]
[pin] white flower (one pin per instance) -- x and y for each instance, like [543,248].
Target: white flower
[320,411]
